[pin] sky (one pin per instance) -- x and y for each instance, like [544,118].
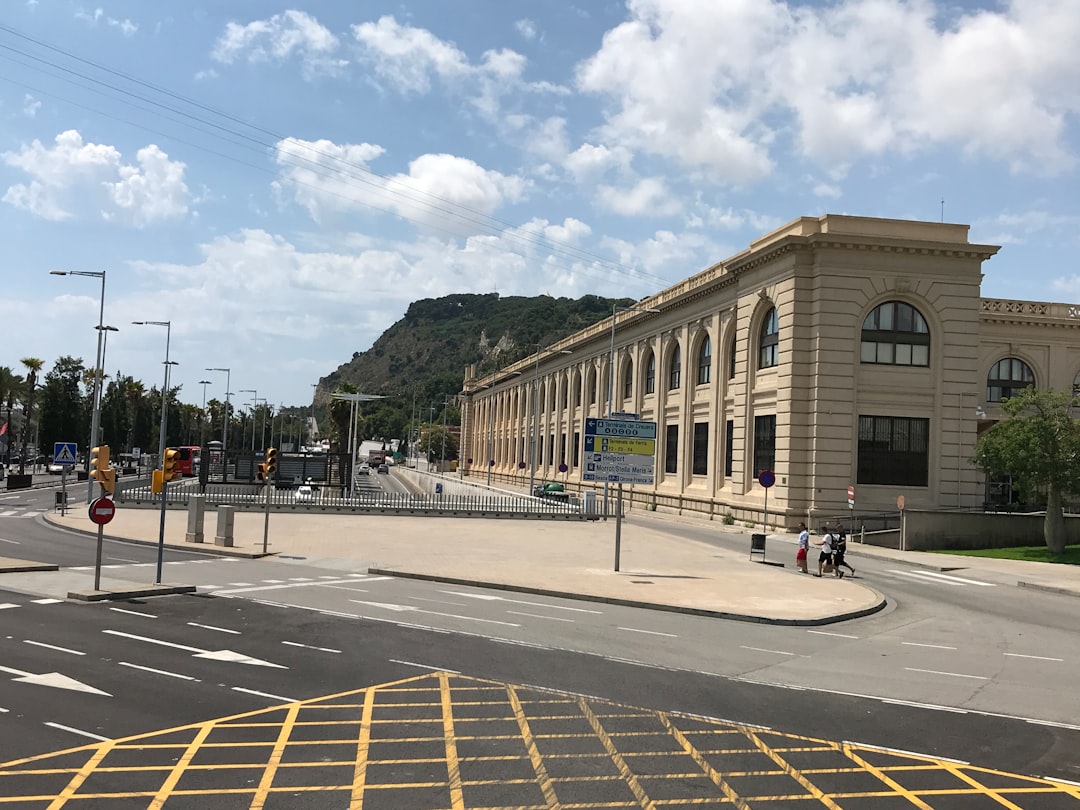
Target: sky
[280,182]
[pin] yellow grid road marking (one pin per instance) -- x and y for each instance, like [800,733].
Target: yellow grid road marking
[526,748]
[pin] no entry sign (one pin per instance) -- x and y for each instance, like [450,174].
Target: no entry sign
[102,511]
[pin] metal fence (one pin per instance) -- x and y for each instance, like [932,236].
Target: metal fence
[252,498]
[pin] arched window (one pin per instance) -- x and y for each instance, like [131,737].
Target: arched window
[578,383]
[704,362]
[565,394]
[628,380]
[592,386]
[650,374]
[895,334]
[732,358]
[675,371]
[769,342]
[1007,378]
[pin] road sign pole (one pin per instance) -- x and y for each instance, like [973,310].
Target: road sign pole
[618,525]
[63,492]
[266,517]
[161,528]
[97,557]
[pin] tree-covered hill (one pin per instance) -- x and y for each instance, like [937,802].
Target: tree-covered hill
[420,361]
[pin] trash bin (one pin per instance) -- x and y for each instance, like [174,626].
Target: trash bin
[61,498]
[757,545]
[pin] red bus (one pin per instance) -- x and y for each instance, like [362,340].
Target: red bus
[187,462]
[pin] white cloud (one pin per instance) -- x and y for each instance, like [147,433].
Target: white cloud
[126,26]
[440,190]
[30,106]
[72,176]
[649,197]
[527,29]
[280,37]
[409,59]
[589,161]
[847,80]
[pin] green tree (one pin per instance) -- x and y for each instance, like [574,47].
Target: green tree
[11,385]
[62,403]
[1038,444]
[33,368]
[431,443]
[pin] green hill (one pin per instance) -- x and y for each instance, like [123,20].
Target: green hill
[420,361]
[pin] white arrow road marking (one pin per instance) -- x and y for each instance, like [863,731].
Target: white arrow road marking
[54,679]
[400,608]
[81,733]
[213,655]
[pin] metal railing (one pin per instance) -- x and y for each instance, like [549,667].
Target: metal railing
[246,497]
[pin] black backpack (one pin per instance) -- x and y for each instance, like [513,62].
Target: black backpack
[840,542]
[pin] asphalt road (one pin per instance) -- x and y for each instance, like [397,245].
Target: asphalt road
[174,661]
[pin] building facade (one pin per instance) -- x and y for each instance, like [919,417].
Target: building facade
[836,351]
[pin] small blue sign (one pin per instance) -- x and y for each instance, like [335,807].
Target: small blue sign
[766,478]
[64,453]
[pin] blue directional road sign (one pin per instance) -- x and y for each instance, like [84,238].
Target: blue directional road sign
[64,453]
[619,451]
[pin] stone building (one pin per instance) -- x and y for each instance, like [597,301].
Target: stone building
[836,351]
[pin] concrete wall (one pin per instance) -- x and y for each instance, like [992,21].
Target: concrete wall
[925,531]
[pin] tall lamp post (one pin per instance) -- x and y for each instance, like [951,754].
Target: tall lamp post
[95,419]
[255,402]
[225,426]
[536,412]
[161,437]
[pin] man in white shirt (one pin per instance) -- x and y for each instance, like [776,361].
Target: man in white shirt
[826,551]
[804,548]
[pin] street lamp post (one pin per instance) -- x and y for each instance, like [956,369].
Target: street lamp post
[225,426]
[311,427]
[161,438]
[536,412]
[95,419]
[255,402]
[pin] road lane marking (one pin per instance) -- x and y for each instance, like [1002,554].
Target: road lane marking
[826,633]
[218,629]
[424,666]
[54,679]
[414,609]
[134,613]
[7,605]
[13,542]
[158,671]
[491,598]
[947,579]
[241,584]
[950,674]
[647,632]
[263,694]
[280,585]
[122,559]
[309,647]
[46,601]
[71,730]
[212,655]
[341,587]
[1035,657]
[775,652]
[274,581]
[438,601]
[52,647]
[538,616]
[917,705]
[932,646]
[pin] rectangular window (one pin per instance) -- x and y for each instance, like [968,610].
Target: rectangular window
[671,449]
[701,448]
[764,443]
[592,391]
[562,448]
[650,378]
[577,444]
[551,449]
[729,447]
[628,383]
[894,450]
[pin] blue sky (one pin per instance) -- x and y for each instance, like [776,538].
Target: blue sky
[280,182]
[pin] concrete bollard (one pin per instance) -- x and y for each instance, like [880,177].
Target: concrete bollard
[195,516]
[226,517]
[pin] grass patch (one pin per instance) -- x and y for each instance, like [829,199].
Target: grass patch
[1026,553]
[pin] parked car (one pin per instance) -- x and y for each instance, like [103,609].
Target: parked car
[383,469]
[552,489]
[57,469]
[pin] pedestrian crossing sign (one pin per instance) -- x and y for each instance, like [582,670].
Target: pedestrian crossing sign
[64,453]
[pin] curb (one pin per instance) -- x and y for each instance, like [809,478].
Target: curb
[133,593]
[9,565]
[195,548]
[610,600]
[1035,586]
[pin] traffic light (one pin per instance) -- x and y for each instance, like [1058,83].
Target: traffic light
[100,470]
[261,474]
[168,464]
[270,467]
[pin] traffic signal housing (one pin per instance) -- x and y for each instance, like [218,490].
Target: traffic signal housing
[168,464]
[261,474]
[100,469]
[270,467]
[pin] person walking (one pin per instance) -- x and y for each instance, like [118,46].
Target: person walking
[839,550]
[826,555]
[804,548]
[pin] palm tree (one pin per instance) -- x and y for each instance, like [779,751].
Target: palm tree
[11,385]
[33,366]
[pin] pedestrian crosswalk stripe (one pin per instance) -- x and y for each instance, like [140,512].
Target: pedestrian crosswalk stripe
[945,579]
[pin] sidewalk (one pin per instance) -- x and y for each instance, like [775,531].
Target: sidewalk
[658,569]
